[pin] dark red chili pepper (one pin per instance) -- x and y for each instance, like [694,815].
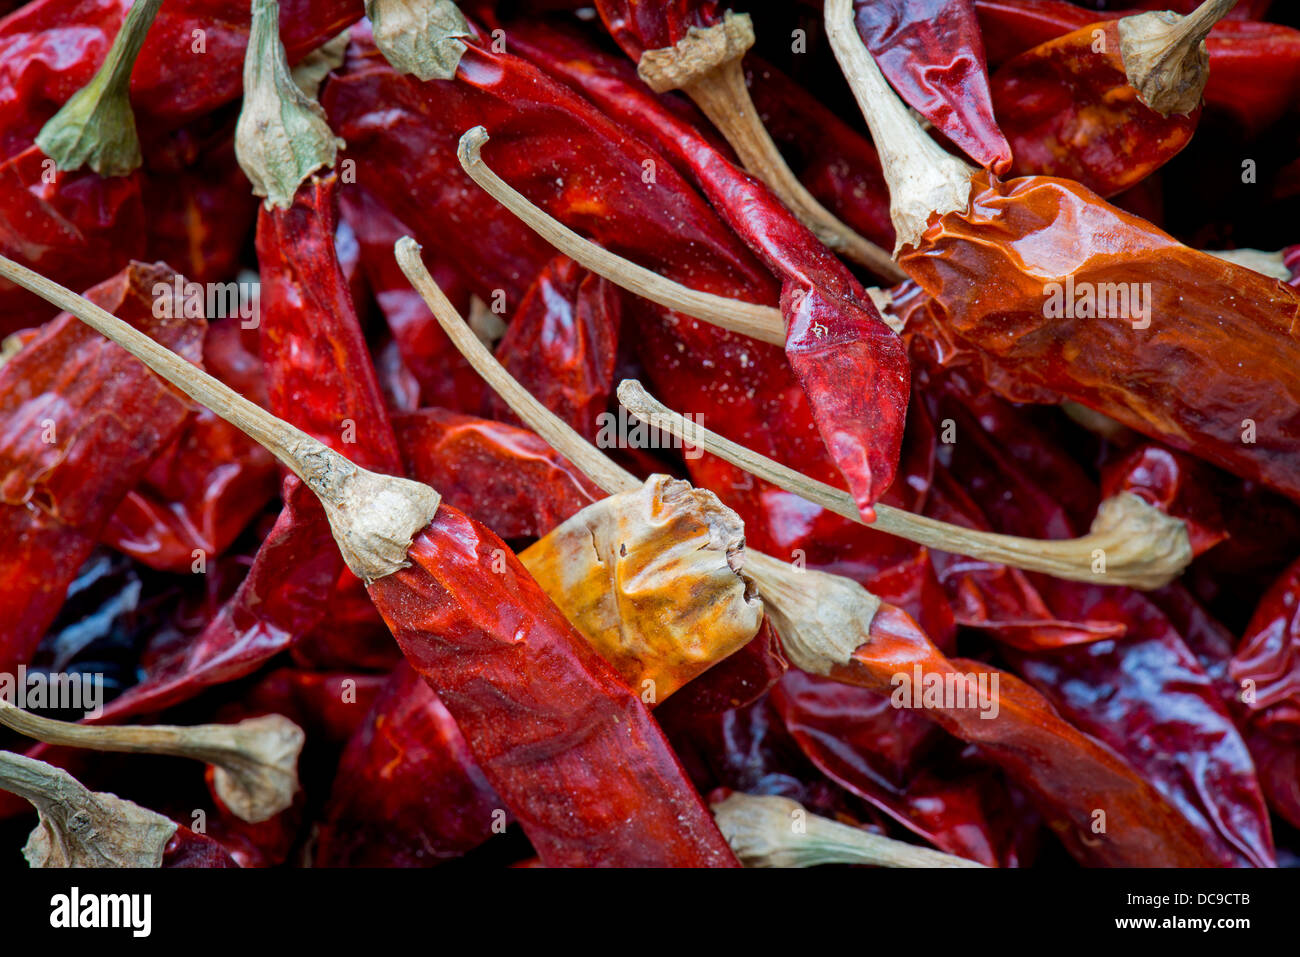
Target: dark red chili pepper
[933,54]
[83,423]
[503,476]
[562,343]
[833,332]
[407,792]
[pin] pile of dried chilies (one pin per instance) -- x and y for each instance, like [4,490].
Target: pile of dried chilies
[649,436]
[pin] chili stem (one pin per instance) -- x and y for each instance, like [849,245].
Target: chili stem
[256,760]
[1142,547]
[923,179]
[759,322]
[762,830]
[1165,58]
[373,517]
[96,126]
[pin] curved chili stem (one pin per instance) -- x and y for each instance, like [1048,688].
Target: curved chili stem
[706,66]
[96,127]
[1144,548]
[759,322]
[1165,59]
[256,760]
[373,517]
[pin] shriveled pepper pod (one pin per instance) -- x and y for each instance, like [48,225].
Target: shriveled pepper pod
[772,831]
[254,762]
[653,580]
[1111,102]
[83,828]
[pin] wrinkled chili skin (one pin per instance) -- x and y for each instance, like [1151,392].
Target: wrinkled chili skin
[1070,111]
[51,48]
[503,476]
[1217,355]
[76,228]
[834,335]
[83,422]
[524,688]
[932,53]
[407,792]
[562,343]
[318,369]
[640,25]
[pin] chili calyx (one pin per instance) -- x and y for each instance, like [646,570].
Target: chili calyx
[1165,56]
[424,39]
[255,762]
[96,127]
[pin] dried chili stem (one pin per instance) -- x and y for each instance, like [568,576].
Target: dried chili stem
[420,37]
[373,517]
[706,66]
[282,136]
[1269,264]
[256,760]
[96,127]
[923,179]
[759,322]
[1141,546]
[1165,57]
[79,827]
[772,831]
[585,456]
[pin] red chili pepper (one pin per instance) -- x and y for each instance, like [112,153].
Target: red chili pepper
[83,423]
[407,792]
[833,332]
[562,343]
[1240,52]
[501,475]
[933,54]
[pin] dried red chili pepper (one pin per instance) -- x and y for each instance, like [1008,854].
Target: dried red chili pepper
[1175,483]
[1109,103]
[501,475]
[933,54]
[1240,52]
[1002,256]
[407,792]
[562,343]
[833,332]
[84,423]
